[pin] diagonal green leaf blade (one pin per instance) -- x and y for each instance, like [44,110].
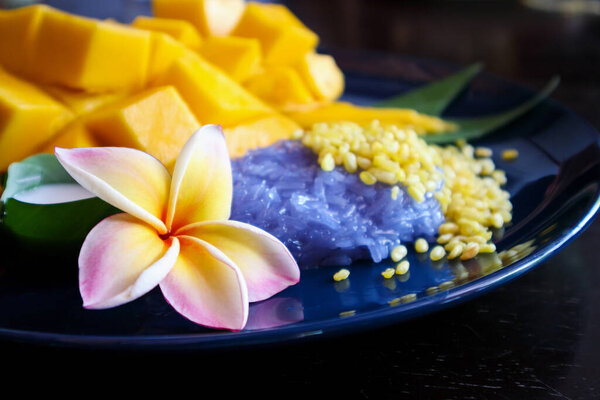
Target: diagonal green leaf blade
[473,128]
[434,97]
[60,223]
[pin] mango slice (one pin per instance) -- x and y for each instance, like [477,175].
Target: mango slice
[283,37]
[87,54]
[210,17]
[28,118]
[73,135]
[163,52]
[18,29]
[280,86]
[260,132]
[213,97]
[322,75]
[156,121]
[342,111]
[81,102]
[178,29]
[237,57]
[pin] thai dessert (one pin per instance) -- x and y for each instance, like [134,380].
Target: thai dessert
[346,192]
[333,181]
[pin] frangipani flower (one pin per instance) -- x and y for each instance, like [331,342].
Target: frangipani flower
[175,233]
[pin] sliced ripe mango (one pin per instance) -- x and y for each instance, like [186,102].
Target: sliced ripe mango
[87,54]
[260,132]
[342,111]
[28,118]
[284,39]
[180,30]
[163,52]
[322,75]
[17,31]
[210,17]
[81,102]
[156,121]
[280,86]
[213,97]
[238,57]
[71,136]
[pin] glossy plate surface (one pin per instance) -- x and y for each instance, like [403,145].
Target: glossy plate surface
[555,191]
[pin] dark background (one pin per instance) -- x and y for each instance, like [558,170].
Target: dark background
[534,338]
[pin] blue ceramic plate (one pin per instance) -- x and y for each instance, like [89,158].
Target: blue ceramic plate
[555,191]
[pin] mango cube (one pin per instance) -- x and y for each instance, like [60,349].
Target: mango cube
[81,102]
[213,97]
[156,121]
[28,118]
[87,54]
[260,132]
[238,57]
[73,135]
[163,52]
[280,86]
[210,17]
[18,29]
[322,75]
[283,37]
[178,29]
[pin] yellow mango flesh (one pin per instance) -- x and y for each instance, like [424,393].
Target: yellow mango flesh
[342,111]
[261,132]
[156,121]
[87,54]
[18,29]
[237,57]
[213,97]
[322,76]
[280,86]
[178,29]
[210,17]
[73,135]
[163,52]
[81,102]
[28,118]
[284,39]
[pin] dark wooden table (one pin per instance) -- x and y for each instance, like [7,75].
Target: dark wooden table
[534,338]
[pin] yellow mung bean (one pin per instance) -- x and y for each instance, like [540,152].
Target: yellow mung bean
[402,267]
[437,253]
[421,245]
[510,154]
[341,275]
[398,253]
[388,273]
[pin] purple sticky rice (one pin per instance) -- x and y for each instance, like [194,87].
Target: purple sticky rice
[325,218]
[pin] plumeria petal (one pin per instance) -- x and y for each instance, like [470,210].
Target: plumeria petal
[206,287]
[267,265]
[121,259]
[131,180]
[202,186]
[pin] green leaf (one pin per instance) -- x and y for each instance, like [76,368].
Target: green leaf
[32,172]
[61,223]
[473,128]
[55,223]
[434,97]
